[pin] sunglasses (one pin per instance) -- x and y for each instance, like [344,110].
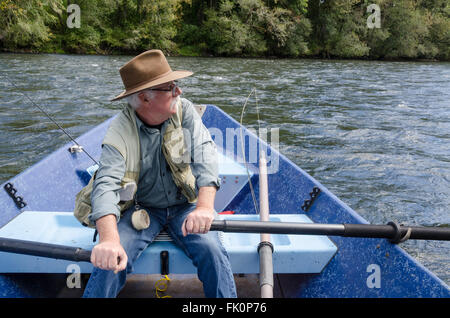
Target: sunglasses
[172,87]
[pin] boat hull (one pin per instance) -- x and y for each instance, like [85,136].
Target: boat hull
[359,268]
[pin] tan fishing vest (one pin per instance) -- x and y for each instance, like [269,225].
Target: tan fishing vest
[123,135]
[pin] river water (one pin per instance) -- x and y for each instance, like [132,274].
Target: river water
[376,134]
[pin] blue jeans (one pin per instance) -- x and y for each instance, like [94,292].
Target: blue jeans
[205,250]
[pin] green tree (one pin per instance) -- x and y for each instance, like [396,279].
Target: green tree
[87,38]
[124,26]
[338,28]
[328,28]
[227,34]
[439,35]
[250,27]
[407,30]
[27,24]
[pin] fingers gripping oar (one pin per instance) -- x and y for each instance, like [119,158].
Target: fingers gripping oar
[394,232]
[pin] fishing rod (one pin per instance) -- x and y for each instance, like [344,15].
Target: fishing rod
[252,192]
[50,117]
[392,231]
[265,248]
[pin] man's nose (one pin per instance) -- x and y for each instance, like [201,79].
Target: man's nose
[178,91]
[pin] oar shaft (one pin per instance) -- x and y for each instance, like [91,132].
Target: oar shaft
[277,227]
[347,230]
[69,253]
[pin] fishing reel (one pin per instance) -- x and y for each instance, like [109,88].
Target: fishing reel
[75,149]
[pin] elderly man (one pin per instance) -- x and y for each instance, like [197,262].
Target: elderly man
[145,146]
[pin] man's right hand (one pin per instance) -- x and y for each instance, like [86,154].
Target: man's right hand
[109,255]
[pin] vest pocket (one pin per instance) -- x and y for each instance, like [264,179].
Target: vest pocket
[83,204]
[175,148]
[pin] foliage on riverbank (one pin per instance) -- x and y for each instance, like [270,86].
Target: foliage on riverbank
[408,29]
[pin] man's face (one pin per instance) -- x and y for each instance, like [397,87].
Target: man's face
[162,105]
[164,98]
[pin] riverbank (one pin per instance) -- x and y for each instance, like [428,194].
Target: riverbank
[338,29]
[184,54]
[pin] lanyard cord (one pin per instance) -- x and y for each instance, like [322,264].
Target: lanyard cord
[49,117]
[161,286]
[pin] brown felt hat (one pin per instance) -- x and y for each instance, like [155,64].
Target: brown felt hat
[146,70]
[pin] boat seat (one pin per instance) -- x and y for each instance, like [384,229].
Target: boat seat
[292,253]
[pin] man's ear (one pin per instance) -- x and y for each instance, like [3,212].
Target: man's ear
[143,97]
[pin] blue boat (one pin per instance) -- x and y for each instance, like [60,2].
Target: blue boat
[37,206]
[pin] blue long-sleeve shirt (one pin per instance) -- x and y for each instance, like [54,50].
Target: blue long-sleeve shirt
[156,187]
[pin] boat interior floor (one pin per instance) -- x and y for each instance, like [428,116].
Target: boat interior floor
[143,285]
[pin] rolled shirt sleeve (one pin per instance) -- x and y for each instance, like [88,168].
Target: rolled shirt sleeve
[204,164]
[105,196]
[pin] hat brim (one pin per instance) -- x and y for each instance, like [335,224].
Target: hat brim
[174,75]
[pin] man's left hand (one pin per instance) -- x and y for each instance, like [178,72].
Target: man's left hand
[198,221]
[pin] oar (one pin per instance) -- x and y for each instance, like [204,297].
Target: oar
[69,253]
[392,231]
